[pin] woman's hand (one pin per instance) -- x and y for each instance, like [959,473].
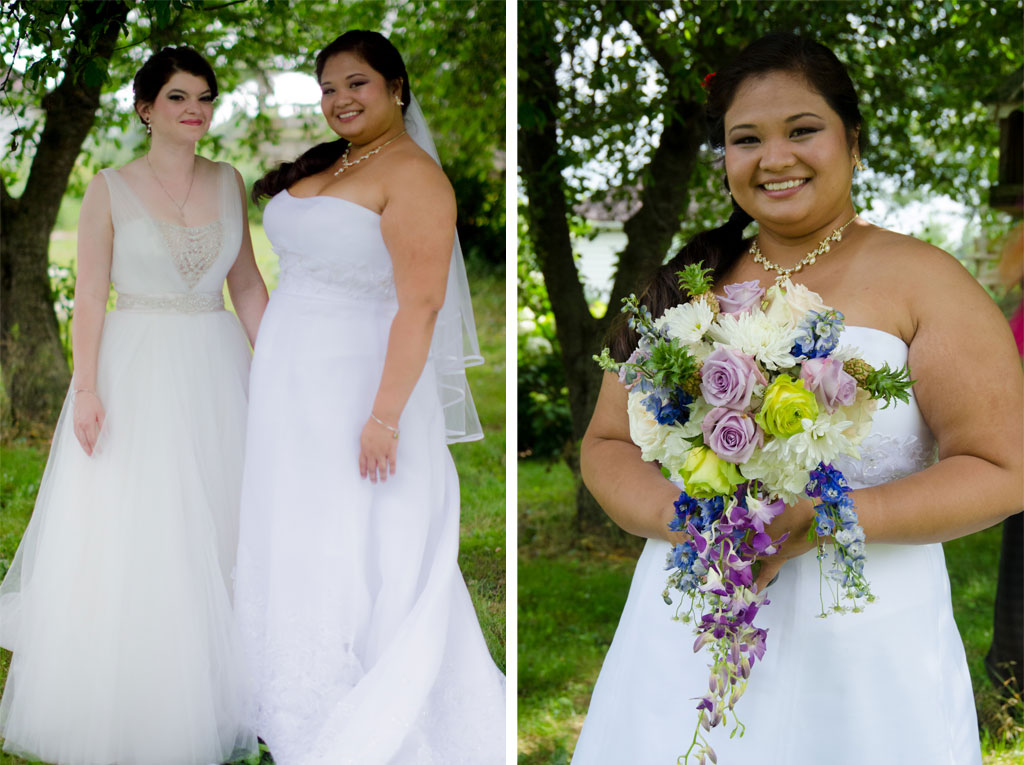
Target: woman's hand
[795,519]
[378,447]
[88,419]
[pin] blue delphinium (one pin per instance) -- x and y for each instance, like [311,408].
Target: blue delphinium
[835,517]
[818,334]
[668,407]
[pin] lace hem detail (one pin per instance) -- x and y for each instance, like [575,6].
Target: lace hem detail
[193,249]
[198,302]
[887,458]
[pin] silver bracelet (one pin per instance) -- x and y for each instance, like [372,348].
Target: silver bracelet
[379,421]
[86,390]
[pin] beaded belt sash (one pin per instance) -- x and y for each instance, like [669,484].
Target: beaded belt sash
[194,302]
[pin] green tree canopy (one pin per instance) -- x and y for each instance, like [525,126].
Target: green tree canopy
[65,60]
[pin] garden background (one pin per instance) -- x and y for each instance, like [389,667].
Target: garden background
[614,175]
[65,112]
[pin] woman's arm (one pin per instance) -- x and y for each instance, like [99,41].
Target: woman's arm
[245,284]
[970,390]
[418,227]
[92,286]
[634,493]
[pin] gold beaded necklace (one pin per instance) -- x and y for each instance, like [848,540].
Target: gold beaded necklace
[345,164]
[807,260]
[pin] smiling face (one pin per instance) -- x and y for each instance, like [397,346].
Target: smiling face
[182,110]
[788,156]
[359,104]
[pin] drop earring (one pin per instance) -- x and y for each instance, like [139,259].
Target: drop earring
[858,164]
[399,101]
[149,129]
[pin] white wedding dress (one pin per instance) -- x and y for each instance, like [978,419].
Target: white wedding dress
[117,605]
[888,686]
[358,628]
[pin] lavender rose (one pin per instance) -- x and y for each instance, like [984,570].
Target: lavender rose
[740,297]
[732,435]
[728,378]
[831,385]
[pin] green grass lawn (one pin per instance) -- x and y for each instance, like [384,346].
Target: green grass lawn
[481,464]
[572,590]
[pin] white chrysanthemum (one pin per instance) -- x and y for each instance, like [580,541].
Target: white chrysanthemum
[645,431]
[755,334]
[777,470]
[822,441]
[860,413]
[688,322]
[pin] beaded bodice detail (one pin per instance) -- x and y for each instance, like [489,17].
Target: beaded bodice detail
[329,248]
[164,267]
[193,249]
[900,442]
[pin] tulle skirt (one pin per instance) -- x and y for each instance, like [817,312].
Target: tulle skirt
[117,605]
[361,636]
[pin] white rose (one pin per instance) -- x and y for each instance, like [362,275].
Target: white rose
[645,431]
[786,306]
[861,412]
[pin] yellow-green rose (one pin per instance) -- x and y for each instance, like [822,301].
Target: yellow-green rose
[786,403]
[706,475]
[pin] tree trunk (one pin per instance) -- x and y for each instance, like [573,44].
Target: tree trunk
[547,216]
[35,373]
[649,231]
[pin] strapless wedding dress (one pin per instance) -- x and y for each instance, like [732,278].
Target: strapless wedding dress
[888,686]
[358,628]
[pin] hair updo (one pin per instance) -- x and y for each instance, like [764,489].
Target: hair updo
[720,248]
[161,66]
[383,57]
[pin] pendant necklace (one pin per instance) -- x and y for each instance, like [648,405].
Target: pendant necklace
[181,207]
[807,260]
[345,164]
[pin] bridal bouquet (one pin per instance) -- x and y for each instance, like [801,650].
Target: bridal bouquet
[747,399]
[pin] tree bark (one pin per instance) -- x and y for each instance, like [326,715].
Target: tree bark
[35,373]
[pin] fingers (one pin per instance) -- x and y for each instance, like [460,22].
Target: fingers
[377,468]
[83,439]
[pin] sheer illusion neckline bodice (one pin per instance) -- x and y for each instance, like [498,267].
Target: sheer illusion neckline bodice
[159,221]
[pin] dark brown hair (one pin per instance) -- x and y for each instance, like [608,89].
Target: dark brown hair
[161,66]
[720,248]
[377,51]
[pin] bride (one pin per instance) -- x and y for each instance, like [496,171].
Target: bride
[357,625]
[889,685]
[118,603]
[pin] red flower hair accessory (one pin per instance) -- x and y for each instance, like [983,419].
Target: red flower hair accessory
[707,79]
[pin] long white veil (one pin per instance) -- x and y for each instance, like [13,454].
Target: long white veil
[455,344]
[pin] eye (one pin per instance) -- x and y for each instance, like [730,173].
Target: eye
[744,139]
[328,91]
[357,84]
[176,97]
[803,131]
[206,99]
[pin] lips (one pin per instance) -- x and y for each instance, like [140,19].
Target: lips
[192,122]
[347,116]
[783,188]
